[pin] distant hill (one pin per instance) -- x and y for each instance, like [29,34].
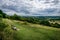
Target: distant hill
[45,17]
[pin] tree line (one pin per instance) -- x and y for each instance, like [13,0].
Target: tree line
[29,19]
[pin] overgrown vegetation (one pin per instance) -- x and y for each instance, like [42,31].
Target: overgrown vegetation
[2,27]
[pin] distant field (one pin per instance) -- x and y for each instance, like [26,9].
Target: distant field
[28,31]
[57,21]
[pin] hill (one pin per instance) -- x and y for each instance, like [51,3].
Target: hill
[29,31]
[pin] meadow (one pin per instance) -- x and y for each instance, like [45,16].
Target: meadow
[29,31]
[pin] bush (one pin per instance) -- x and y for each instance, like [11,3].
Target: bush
[1,16]
[45,23]
[25,23]
[2,25]
[56,25]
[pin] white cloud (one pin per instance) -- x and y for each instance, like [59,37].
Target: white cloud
[31,7]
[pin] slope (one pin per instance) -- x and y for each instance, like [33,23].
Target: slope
[28,31]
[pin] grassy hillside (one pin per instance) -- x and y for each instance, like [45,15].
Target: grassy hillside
[28,31]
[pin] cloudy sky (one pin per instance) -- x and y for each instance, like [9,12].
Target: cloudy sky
[31,7]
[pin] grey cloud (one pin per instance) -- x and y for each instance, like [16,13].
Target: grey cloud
[55,2]
[26,7]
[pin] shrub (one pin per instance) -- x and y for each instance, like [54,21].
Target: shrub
[25,23]
[1,16]
[2,25]
[45,23]
[56,25]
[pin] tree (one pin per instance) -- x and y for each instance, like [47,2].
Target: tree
[2,14]
[15,17]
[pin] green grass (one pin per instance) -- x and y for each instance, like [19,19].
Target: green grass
[30,31]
